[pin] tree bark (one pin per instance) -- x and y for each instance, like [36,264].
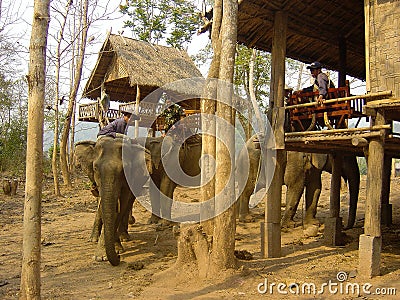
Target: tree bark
[225,223]
[30,276]
[72,96]
[210,247]
[54,162]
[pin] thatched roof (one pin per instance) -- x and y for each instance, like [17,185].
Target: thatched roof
[315,28]
[124,63]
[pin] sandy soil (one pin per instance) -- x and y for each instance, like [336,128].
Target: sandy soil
[69,271]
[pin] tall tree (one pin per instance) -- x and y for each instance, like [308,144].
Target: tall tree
[171,21]
[209,248]
[57,98]
[30,276]
[79,45]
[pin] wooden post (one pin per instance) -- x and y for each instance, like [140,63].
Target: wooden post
[271,232]
[371,242]
[137,110]
[386,209]
[367,45]
[333,224]
[342,61]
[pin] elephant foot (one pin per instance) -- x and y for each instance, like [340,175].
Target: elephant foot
[311,221]
[94,238]
[131,220]
[124,237]
[311,231]
[100,258]
[95,192]
[118,248]
[246,218]
[290,224]
[165,224]
[153,219]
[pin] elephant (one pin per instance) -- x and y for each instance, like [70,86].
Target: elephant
[166,154]
[105,167]
[301,170]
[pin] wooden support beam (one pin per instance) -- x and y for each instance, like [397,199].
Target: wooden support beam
[271,234]
[371,241]
[334,207]
[386,207]
[137,103]
[333,225]
[342,61]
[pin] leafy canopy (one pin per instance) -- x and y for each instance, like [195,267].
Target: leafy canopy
[172,21]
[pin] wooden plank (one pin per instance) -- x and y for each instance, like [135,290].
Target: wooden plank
[344,130]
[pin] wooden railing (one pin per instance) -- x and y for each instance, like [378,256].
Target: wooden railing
[149,113]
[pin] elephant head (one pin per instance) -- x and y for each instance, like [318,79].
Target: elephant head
[119,170]
[84,156]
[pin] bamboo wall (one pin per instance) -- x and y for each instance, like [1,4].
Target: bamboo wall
[384,46]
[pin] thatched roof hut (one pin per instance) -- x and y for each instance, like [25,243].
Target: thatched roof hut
[317,31]
[124,63]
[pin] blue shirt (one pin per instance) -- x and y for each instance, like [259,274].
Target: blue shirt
[116,126]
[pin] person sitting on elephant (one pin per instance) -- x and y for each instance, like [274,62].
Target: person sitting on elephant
[118,126]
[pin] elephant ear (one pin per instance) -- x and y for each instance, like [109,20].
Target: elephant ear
[318,160]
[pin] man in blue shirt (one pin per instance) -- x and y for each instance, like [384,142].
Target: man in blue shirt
[321,81]
[118,126]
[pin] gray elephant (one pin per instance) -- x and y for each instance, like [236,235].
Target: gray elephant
[301,170]
[166,155]
[105,167]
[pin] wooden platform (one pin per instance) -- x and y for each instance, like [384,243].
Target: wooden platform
[351,140]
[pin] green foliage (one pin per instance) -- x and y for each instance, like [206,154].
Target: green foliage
[362,165]
[13,125]
[174,21]
[261,76]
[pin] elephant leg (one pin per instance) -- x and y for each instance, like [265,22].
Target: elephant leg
[125,213]
[243,204]
[167,188]
[155,201]
[352,173]
[97,225]
[294,192]
[313,191]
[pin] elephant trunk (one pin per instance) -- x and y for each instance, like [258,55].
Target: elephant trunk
[109,202]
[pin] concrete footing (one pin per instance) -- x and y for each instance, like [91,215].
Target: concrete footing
[271,243]
[333,235]
[369,256]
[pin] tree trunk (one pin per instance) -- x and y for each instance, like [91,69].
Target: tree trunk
[72,96]
[195,242]
[30,276]
[225,223]
[54,162]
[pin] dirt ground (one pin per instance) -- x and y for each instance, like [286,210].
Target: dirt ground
[69,271]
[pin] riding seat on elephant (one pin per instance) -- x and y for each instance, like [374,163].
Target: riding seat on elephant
[301,170]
